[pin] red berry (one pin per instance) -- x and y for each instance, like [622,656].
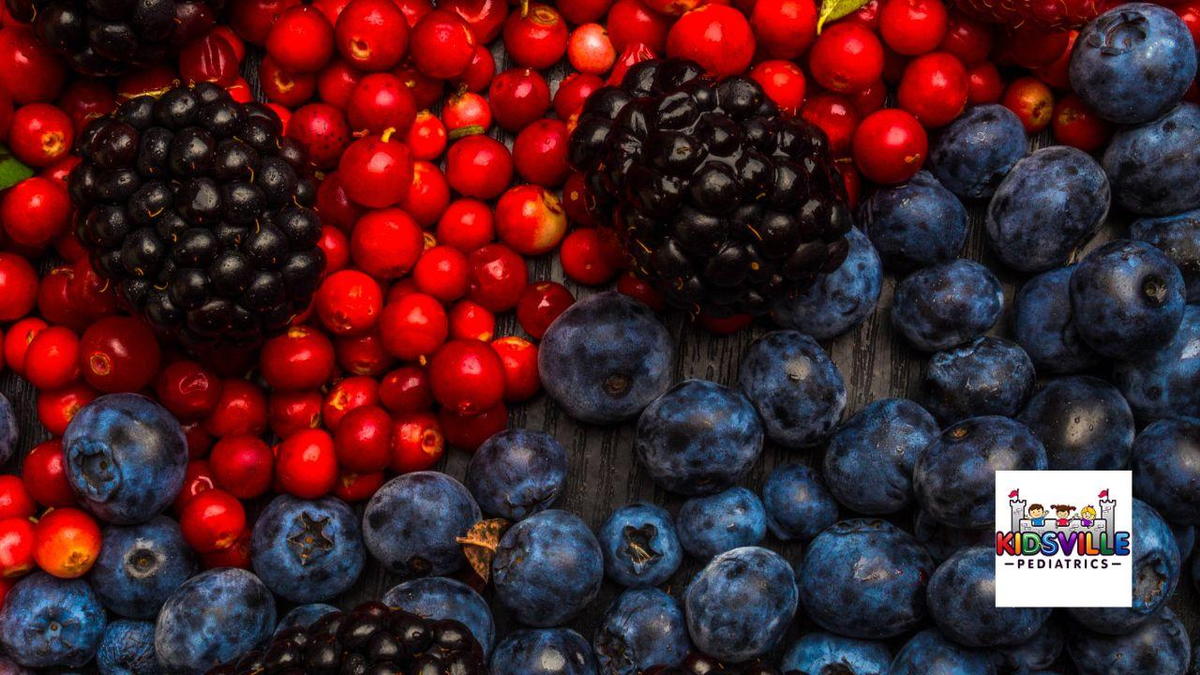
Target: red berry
[336,82]
[426,91]
[466,224]
[289,412]
[376,171]
[362,354]
[18,287]
[198,440]
[54,299]
[836,116]
[471,321]
[346,395]
[197,478]
[44,472]
[242,465]
[518,96]
[578,202]
[212,520]
[784,28]
[1032,101]
[429,194]
[386,243]
[498,276]
[322,131]
[913,27]
[413,326]
[66,543]
[29,69]
[718,37]
[540,305]
[35,211]
[57,407]
[1190,13]
[363,440]
[371,35]
[443,272]
[427,136]
[582,11]
[348,302]
[301,358]
[17,544]
[479,74]
[241,410]
[119,353]
[16,342]
[336,247]
[630,23]
[40,134]
[467,376]
[210,58]
[584,257]
[540,152]
[518,356]
[469,431]
[406,389]
[15,499]
[846,57]
[1031,46]
[442,45]
[53,358]
[1056,73]
[984,84]
[572,91]
[357,487]
[484,17]
[334,205]
[417,442]
[479,166]
[283,86]
[934,88]
[590,50]
[783,82]
[1077,125]
[890,146]
[301,40]
[306,464]
[188,390]
[535,37]
[465,114]
[530,219]
[640,290]
[969,40]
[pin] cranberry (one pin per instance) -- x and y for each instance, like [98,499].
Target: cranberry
[381,101]
[34,212]
[406,389]
[846,57]
[198,440]
[301,358]
[92,294]
[540,152]
[197,478]
[376,171]
[53,358]
[934,88]
[467,376]
[1056,73]
[210,58]
[84,101]
[301,40]
[783,82]
[442,272]
[638,289]
[335,83]
[890,146]
[189,390]
[332,9]
[346,395]
[572,92]
[479,166]
[590,50]
[242,465]
[44,472]
[212,520]
[15,499]
[417,442]
[289,412]
[578,201]
[498,276]
[16,342]
[484,17]
[17,544]
[357,487]
[585,259]
[426,91]
[471,321]
[1077,125]
[540,304]
[241,409]
[29,70]
[784,28]
[583,11]
[913,27]
[322,131]
[466,224]
[465,114]
[969,40]
[59,173]
[1190,13]
[429,194]
[630,23]
[119,353]
[348,302]
[40,134]
[284,86]
[984,84]
[1032,101]
[336,247]
[413,326]
[518,96]
[427,136]
[469,431]
[237,554]
[519,358]
[718,37]
[306,464]
[836,116]
[66,543]
[442,45]
[535,37]
[386,243]
[55,302]
[57,407]
[530,219]
[371,35]
[1031,46]
[479,74]
[362,354]
[852,181]
[363,440]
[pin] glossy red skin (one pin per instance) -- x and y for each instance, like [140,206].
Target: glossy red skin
[413,326]
[572,92]
[466,113]
[784,28]
[870,98]
[536,37]
[189,390]
[363,440]
[629,23]
[518,96]
[40,134]
[57,407]
[336,246]
[912,27]
[45,474]
[210,58]
[836,116]
[583,11]
[584,259]
[198,440]
[427,136]
[467,376]
[301,40]
[498,276]
[336,81]
[357,487]
[237,554]
[91,293]
[540,153]
[484,17]
[371,35]
[18,287]
[783,82]
[15,500]
[846,57]
[934,88]
[969,40]
[984,84]
[442,45]
[470,431]
[530,219]
[578,202]
[241,409]
[890,146]
[17,545]
[718,37]
[242,466]
[639,290]
[386,243]
[429,194]
[540,305]
[334,206]
[417,442]
[348,302]
[1077,125]
[363,354]
[426,91]
[306,466]
[1056,72]
[283,86]
[471,321]
[1032,101]
[301,358]
[479,166]
[1190,13]
[321,129]
[58,173]
[1029,46]
[405,390]
[590,50]
[290,412]
[466,224]
[348,394]
[724,325]
[85,100]
[54,300]
[518,356]
[67,543]
[332,9]
[380,101]
[52,361]
[443,272]
[34,212]
[376,171]
[197,478]
[29,70]
[119,353]
[252,19]
[212,520]
[479,74]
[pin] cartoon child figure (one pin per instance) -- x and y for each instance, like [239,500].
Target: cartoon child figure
[1037,515]
[1064,514]
[1087,515]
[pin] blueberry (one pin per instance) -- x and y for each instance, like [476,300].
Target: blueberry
[977,150]
[303,616]
[517,473]
[869,461]
[605,358]
[698,438]
[127,648]
[213,617]
[930,653]
[8,430]
[547,568]
[946,305]
[548,651]
[125,457]
[643,628]
[1158,645]
[740,605]
[1154,169]
[797,503]
[943,541]
[1127,299]
[640,545]
[839,300]
[1185,539]
[1084,423]
[1163,384]
[1166,469]
[717,523]
[1156,569]
[865,578]
[1133,63]
[413,522]
[1050,204]
[954,477]
[139,567]
[796,388]
[828,653]
[46,621]
[989,376]
[438,598]
[307,550]
[1043,325]
[914,224]
[1037,653]
[10,667]
[962,602]
[1177,236]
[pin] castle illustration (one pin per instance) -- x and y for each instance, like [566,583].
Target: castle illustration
[1103,521]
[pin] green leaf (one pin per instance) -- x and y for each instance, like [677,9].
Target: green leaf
[832,10]
[12,171]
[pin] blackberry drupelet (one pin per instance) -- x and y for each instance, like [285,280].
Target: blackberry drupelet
[371,639]
[108,37]
[198,209]
[719,201]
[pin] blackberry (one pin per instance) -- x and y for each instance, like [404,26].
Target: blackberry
[109,37]
[719,201]
[371,639]
[198,210]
